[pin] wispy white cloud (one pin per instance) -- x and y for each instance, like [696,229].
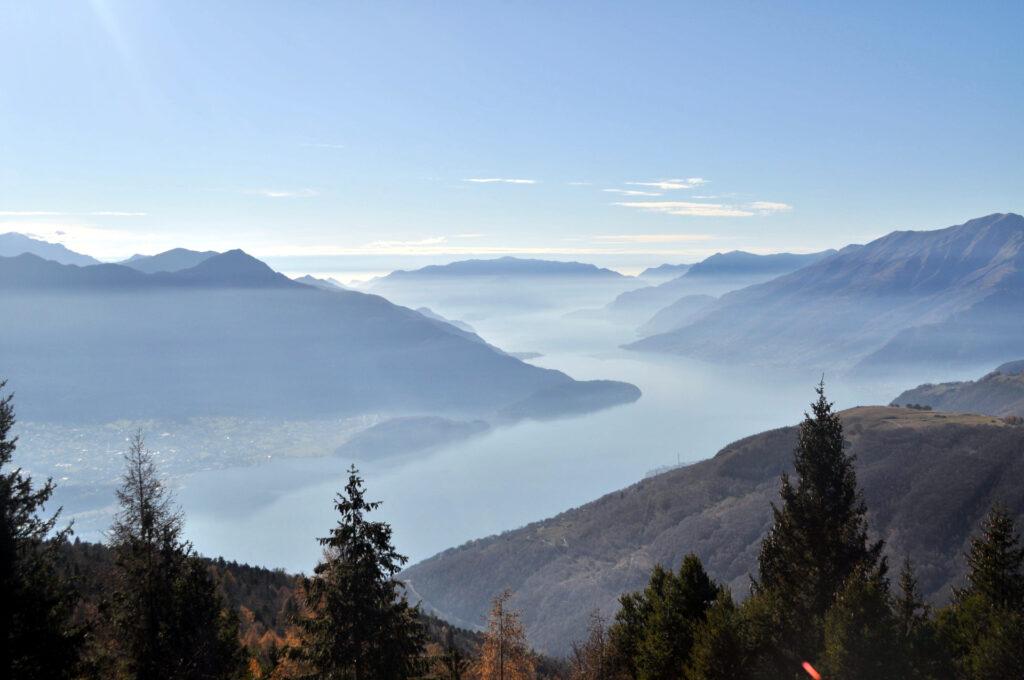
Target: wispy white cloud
[694,209]
[768,207]
[499,180]
[468,235]
[672,184]
[52,213]
[286,193]
[653,238]
[688,208]
[632,192]
[430,241]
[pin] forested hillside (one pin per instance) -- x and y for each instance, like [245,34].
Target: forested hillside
[928,478]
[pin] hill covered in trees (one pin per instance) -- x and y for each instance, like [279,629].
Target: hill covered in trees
[999,393]
[928,478]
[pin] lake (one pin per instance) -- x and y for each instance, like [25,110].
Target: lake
[271,514]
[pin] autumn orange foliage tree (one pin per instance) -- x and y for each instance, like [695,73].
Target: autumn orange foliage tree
[504,655]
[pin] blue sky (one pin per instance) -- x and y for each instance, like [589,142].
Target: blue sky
[638,132]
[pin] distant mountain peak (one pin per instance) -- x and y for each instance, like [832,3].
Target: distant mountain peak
[13,244]
[171,260]
[952,294]
[506,265]
[327,283]
[236,268]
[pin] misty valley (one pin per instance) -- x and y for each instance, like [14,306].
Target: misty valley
[521,471]
[511,341]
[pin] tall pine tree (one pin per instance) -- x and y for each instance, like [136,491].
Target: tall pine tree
[923,655]
[817,540]
[36,637]
[358,625]
[169,621]
[984,625]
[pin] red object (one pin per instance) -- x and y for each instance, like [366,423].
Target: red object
[811,672]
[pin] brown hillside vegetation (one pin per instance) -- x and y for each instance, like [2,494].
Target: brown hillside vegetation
[928,480]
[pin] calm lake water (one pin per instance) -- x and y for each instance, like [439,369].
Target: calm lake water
[272,514]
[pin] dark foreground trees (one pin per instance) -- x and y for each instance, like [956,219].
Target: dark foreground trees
[656,628]
[167,618]
[359,625]
[37,639]
[984,625]
[817,547]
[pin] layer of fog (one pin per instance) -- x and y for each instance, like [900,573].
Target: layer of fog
[272,514]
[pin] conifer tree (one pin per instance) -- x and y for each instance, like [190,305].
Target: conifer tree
[654,630]
[627,630]
[505,654]
[36,637]
[817,540]
[720,649]
[359,626]
[861,631]
[169,622]
[984,625]
[923,655]
[677,609]
[995,563]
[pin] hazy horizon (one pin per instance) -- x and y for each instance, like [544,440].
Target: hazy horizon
[623,135]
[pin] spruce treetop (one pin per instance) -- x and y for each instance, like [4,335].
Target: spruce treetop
[995,562]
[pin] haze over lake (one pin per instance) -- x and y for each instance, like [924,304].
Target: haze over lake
[513,475]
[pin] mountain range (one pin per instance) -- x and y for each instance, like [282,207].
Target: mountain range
[13,244]
[504,267]
[665,271]
[324,283]
[999,393]
[172,260]
[718,274]
[230,336]
[476,289]
[947,297]
[928,478]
